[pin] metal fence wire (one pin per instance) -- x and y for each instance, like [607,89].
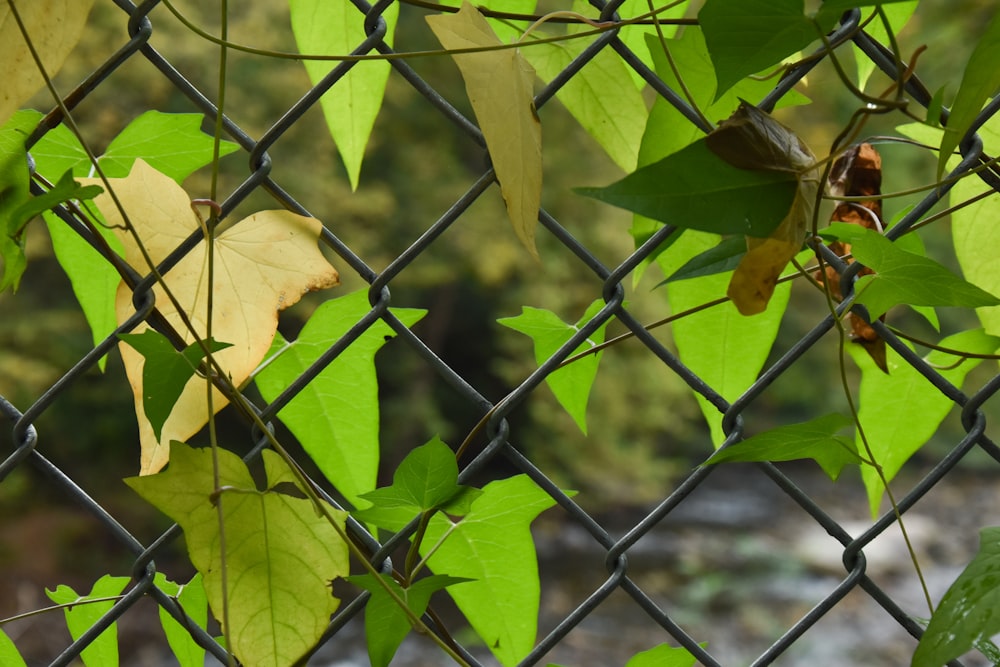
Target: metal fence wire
[645,611]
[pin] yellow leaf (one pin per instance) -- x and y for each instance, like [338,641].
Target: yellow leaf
[751,139]
[54,26]
[263,264]
[499,85]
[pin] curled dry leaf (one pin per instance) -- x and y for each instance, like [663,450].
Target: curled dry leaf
[263,264]
[54,26]
[857,173]
[750,139]
[499,84]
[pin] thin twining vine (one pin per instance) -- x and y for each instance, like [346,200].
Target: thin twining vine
[215,375]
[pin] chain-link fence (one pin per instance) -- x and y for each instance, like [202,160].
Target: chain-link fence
[608,589]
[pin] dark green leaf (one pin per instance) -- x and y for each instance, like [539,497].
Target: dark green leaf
[65,190]
[968,611]
[696,189]
[386,625]
[722,258]
[904,277]
[747,36]
[427,479]
[814,439]
[166,371]
[14,180]
[79,618]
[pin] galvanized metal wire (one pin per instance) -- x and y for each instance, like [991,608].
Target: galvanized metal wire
[139,25]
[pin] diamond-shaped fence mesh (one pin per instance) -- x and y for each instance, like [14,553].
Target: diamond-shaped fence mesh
[704,566]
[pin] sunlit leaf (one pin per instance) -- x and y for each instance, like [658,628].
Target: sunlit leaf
[968,611]
[980,81]
[191,597]
[899,14]
[263,264]
[9,655]
[904,277]
[663,655]
[350,107]
[571,384]
[386,625]
[492,546]
[901,411]
[278,609]
[500,85]
[80,617]
[600,96]
[54,27]
[336,416]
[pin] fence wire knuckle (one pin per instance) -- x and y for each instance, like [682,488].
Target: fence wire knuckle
[611,557]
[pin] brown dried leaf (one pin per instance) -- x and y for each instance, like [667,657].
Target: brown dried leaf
[857,173]
[751,139]
[263,264]
[499,85]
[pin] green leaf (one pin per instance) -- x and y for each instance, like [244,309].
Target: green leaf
[570,384]
[831,10]
[636,35]
[350,107]
[975,234]
[667,131]
[64,190]
[492,546]
[59,151]
[9,655]
[968,611]
[336,416]
[14,181]
[815,439]
[103,650]
[726,349]
[171,143]
[386,625]
[904,277]
[166,371]
[901,410]
[696,189]
[191,597]
[601,96]
[278,609]
[663,655]
[899,14]
[427,479]
[979,82]
[722,258]
[747,36]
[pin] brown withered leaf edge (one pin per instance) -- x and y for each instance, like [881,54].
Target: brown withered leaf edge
[857,173]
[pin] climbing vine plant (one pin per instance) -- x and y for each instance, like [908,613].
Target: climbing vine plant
[732,199]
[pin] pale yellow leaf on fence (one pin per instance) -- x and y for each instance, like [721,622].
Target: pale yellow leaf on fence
[263,264]
[54,27]
[499,86]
